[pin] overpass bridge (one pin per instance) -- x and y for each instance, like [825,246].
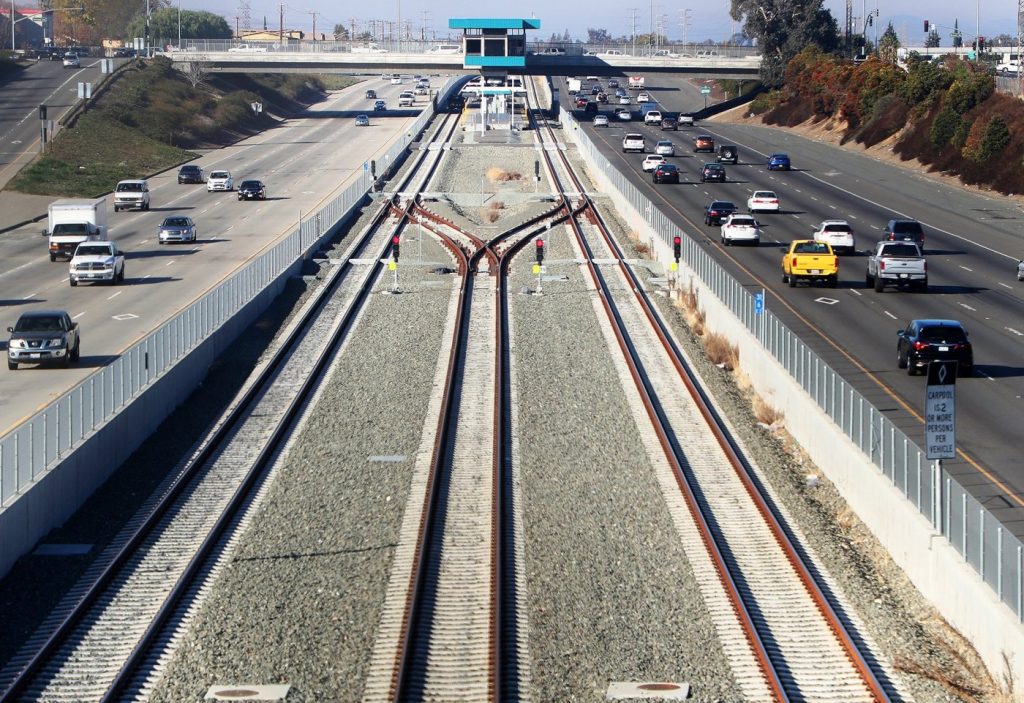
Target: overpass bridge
[342,57]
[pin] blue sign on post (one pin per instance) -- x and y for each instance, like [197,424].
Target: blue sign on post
[366,165]
[758,303]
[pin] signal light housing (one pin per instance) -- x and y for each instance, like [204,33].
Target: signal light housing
[395,246]
[540,251]
[677,245]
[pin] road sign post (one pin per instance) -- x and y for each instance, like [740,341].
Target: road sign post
[940,426]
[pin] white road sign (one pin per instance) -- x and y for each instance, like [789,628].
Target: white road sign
[940,411]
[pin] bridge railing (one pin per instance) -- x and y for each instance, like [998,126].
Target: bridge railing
[985,543]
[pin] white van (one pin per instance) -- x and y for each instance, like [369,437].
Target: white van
[446,49]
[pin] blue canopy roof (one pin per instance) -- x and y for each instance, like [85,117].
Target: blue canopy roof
[493,23]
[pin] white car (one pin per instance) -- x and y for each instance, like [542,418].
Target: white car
[624,114]
[71,60]
[652,162]
[396,80]
[740,228]
[838,234]
[643,98]
[665,148]
[763,201]
[219,180]
[600,120]
[623,100]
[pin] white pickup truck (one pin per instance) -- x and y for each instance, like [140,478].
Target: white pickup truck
[634,142]
[897,263]
[96,262]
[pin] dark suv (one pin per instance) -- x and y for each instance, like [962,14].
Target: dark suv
[668,122]
[43,336]
[717,211]
[904,231]
[728,153]
[924,341]
[712,172]
[190,173]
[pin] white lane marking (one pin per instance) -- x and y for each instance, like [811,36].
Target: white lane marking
[1005,286]
[147,276]
[857,293]
[966,269]
[32,295]
[115,295]
[78,316]
[965,305]
[1016,332]
[890,314]
[170,263]
[143,242]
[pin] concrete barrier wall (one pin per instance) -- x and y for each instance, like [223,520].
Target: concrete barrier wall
[934,566]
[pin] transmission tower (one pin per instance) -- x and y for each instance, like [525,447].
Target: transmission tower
[849,27]
[245,14]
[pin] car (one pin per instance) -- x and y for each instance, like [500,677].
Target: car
[362,121]
[717,211]
[422,90]
[763,201]
[602,97]
[131,193]
[712,172]
[371,94]
[623,100]
[396,80]
[191,173]
[620,92]
[613,83]
[670,123]
[1020,270]
[666,173]
[623,114]
[600,120]
[595,89]
[778,162]
[71,60]
[810,261]
[124,53]
[838,233]
[728,154]
[97,261]
[703,142]
[904,231]
[252,190]
[219,180]
[643,98]
[581,101]
[651,162]
[740,228]
[652,117]
[177,228]
[380,106]
[924,341]
[665,148]
[43,336]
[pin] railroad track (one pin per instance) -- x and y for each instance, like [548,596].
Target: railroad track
[781,621]
[111,635]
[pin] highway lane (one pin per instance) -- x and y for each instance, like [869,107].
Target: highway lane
[305,162]
[972,241]
[43,82]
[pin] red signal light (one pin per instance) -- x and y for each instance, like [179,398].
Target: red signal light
[395,242]
[677,245]
[540,250]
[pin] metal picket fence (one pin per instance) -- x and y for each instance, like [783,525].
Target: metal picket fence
[50,435]
[995,552]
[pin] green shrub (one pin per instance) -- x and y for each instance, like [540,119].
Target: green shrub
[994,140]
[944,127]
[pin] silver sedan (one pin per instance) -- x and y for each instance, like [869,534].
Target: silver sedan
[177,229]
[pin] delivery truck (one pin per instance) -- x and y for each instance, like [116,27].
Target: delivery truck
[71,222]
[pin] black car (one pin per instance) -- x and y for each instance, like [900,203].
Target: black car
[904,231]
[190,173]
[456,103]
[371,94]
[252,190]
[924,341]
[613,83]
[666,173]
[670,123]
[43,336]
[717,211]
[728,153]
[712,172]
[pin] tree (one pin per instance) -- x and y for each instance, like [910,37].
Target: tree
[783,28]
[888,45]
[995,139]
[340,32]
[933,39]
[195,70]
[598,36]
[163,25]
[1004,39]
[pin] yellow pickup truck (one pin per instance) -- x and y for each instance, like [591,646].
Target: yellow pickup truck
[811,261]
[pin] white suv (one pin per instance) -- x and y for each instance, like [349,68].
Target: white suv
[219,180]
[838,233]
[652,117]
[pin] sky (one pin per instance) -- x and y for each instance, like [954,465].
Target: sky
[708,19]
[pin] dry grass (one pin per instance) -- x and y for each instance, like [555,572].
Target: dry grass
[766,414]
[721,352]
[642,248]
[493,211]
[496,174]
[692,313]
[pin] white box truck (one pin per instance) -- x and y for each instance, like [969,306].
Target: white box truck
[72,222]
[574,85]
[636,82]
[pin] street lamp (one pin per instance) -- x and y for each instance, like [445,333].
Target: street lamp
[179,25]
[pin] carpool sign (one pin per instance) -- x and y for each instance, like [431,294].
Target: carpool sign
[940,410]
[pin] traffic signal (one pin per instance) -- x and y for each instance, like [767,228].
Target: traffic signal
[926,26]
[981,43]
[42,112]
[540,251]
[395,241]
[677,245]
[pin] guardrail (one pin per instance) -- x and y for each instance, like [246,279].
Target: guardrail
[51,435]
[988,546]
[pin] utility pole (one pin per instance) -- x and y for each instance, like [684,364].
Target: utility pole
[399,25]
[12,27]
[280,25]
[147,28]
[314,13]
[423,29]
[633,35]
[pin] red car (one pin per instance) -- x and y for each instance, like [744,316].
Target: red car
[581,101]
[703,142]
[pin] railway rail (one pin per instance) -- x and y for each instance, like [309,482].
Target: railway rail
[798,641]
